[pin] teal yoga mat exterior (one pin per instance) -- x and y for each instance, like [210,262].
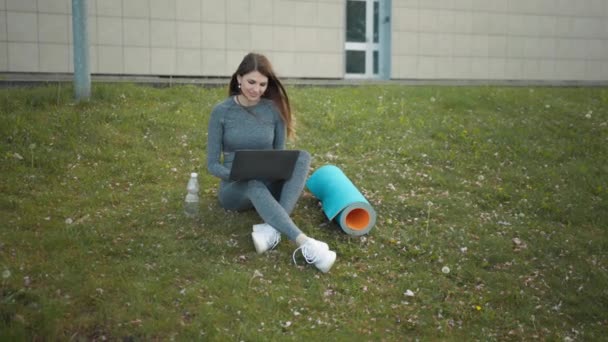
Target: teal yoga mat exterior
[339,197]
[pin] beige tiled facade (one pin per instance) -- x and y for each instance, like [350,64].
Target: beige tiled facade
[430,39]
[500,39]
[303,38]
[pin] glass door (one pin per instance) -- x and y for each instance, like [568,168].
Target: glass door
[362,39]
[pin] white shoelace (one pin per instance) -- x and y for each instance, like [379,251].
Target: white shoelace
[309,256]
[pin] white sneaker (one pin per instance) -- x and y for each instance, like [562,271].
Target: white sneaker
[317,253]
[265,237]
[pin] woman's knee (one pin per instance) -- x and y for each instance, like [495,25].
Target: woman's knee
[304,157]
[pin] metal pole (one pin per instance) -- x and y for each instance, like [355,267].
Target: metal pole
[82,75]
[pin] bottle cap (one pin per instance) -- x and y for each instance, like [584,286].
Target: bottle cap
[194,174]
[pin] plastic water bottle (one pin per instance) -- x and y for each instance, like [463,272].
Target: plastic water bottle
[191,205]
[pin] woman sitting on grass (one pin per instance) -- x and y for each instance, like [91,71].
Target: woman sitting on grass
[257,115]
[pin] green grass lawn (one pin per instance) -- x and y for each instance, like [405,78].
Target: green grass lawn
[507,188]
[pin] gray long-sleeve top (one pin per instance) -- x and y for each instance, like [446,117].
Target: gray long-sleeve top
[232,127]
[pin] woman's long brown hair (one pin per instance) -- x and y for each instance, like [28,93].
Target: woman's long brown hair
[275,91]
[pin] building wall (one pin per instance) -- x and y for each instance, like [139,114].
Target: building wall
[431,39]
[303,38]
[500,39]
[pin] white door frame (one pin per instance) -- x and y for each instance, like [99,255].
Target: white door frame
[369,46]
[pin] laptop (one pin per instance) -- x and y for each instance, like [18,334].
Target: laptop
[263,164]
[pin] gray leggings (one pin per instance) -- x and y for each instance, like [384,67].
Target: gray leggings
[274,201]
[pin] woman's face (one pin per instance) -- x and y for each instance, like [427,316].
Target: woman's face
[253,85]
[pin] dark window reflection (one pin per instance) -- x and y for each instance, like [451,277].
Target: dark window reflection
[376,15]
[355,62]
[376,67]
[355,21]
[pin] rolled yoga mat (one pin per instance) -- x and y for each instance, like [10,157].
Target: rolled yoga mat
[341,200]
